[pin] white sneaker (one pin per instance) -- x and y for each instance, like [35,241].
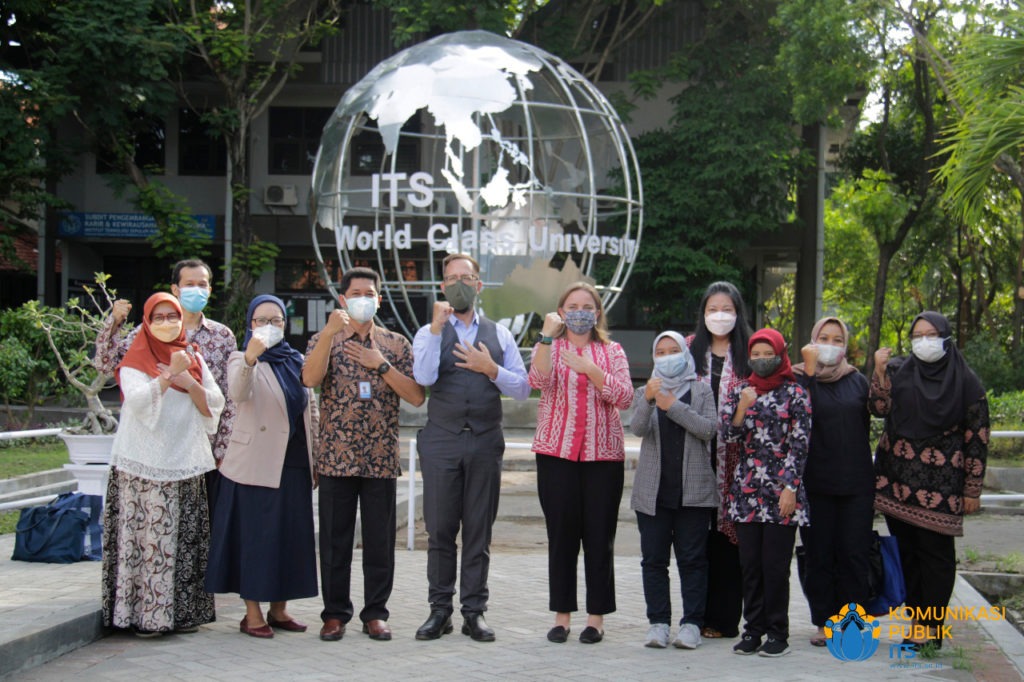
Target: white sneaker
[657,636]
[688,637]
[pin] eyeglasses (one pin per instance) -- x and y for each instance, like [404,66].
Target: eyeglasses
[926,335]
[465,279]
[160,318]
[264,321]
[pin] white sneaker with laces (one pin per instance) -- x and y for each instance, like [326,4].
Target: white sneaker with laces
[688,637]
[657,636]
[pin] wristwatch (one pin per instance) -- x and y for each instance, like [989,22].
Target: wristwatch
[384,367]
[791,488]
[546,340]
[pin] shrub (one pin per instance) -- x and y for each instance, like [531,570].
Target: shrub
[1006,412]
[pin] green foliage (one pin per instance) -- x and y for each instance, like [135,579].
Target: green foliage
[1006,413]
[71,335]
[412,19]
[718,178]
[29,373]
[991,362]
[824,55]
[177,234]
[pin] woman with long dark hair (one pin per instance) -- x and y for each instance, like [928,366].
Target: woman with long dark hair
[719,349]
[930,461]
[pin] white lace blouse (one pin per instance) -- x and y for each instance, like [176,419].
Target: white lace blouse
[161,436]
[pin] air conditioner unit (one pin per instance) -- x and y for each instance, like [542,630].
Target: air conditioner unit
[280,195]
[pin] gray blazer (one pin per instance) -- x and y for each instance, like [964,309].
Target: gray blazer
[700,420]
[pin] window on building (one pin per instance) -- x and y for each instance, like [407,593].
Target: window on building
[367,150]
[294,138]
[201,151]
[149,139]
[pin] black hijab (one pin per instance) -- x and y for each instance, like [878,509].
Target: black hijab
[929,398]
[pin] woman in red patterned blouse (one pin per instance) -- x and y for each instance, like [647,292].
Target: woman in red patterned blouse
[584,380]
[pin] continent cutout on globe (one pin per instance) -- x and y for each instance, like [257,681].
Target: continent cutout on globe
[536,288]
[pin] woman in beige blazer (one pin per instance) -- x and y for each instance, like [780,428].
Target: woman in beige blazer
[263,546]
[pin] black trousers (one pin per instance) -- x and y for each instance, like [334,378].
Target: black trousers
[929,567]
[766,551]
[212,487]
[838,546]
[376,499]
[580,501]
[684,530]
[724,606]
[461,487]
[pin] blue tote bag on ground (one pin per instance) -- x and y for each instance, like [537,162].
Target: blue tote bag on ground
[64,531]
[891,591]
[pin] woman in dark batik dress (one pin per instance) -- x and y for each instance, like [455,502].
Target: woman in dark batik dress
[930,461]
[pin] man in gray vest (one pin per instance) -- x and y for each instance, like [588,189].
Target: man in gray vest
[468,362]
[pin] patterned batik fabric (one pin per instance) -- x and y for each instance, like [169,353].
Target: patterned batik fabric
[923,481]
[156,536]
[360,437]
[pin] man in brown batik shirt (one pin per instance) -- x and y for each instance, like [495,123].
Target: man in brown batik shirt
[363,370]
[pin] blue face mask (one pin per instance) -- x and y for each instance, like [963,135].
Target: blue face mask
[671,365]
[193,299]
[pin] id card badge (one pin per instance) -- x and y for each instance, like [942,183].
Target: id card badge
[365,392]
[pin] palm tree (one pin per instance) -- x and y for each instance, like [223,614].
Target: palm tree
[987,84]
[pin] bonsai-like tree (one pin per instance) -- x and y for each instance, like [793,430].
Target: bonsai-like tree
[76,326]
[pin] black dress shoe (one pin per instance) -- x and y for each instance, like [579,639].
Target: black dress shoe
[558,634]
[437,624]
[476,627]
[591,635]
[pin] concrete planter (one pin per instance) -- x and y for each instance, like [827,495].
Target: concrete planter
[90,461]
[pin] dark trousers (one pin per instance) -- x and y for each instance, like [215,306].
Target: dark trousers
[929,567]
[725,585]
[766,551]
[684,530]
[838,547]
[376,499]
[461,487]
[212,486]
[580,501]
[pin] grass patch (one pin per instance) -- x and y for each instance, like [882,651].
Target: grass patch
[8,520]
[1011,563]
[28,459]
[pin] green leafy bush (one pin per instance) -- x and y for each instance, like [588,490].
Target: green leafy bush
[1006,412]
[991,362]
[29,372]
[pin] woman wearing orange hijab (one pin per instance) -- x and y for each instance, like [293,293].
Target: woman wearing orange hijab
[156,528]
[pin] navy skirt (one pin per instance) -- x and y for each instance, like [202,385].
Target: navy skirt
[263,547]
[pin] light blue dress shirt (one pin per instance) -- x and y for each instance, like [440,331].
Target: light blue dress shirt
[426,354]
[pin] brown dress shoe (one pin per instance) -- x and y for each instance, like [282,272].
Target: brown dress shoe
[378,629]
[333,630]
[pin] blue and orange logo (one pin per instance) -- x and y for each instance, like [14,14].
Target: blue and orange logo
[851,634]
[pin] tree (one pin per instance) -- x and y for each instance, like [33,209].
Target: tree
[987,84]
[248,50]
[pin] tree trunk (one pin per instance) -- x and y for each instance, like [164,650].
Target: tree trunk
[885,254]
[1018,293]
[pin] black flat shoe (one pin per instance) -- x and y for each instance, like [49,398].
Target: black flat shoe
[591,635]
[558,634]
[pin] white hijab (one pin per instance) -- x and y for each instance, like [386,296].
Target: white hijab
[678,385]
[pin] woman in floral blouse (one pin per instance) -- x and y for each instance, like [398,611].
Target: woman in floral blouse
[770,414]
[930,460]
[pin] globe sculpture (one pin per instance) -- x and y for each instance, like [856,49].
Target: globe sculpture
[475,143]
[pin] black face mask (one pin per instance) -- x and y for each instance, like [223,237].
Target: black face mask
[764,367]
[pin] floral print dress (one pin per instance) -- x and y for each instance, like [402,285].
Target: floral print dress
[775,436]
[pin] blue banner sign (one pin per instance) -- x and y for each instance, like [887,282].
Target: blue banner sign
[121,225]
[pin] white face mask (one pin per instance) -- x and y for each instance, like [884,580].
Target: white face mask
[269,335]
[928,349]
[361,308]
[829,354]
[720,324]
